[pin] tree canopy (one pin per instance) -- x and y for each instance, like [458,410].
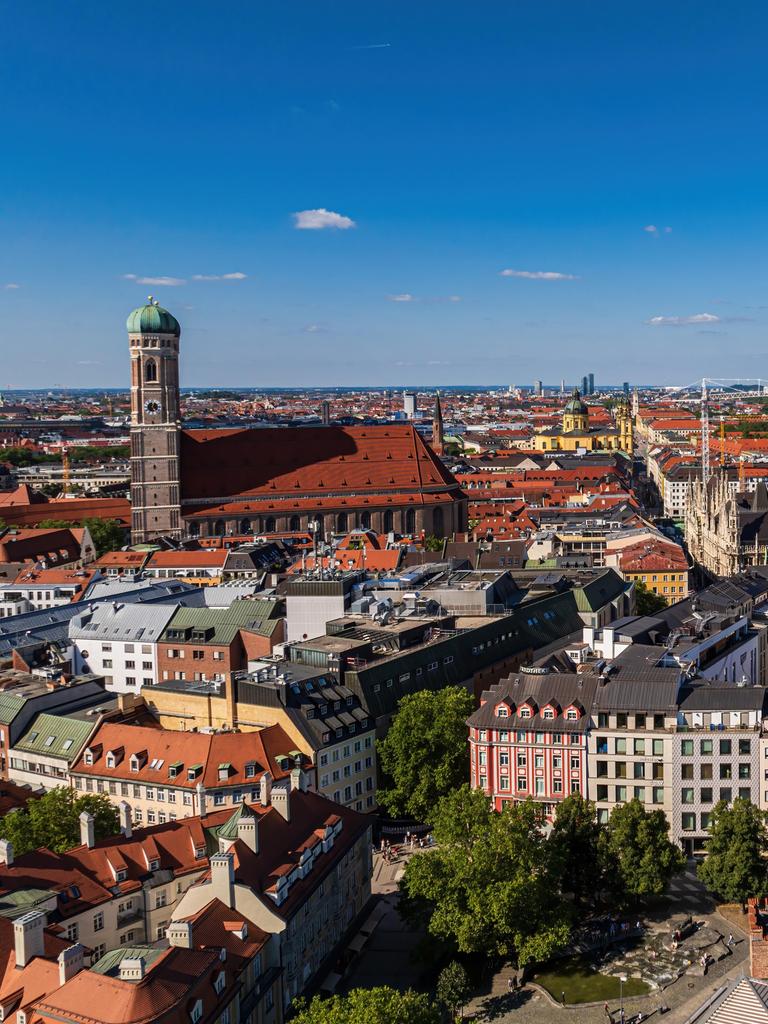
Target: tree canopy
[574,846]
[638,856]
[453,988]
[380,1005]
[646,602]
[735,867]
[425,755]
[53,821]
[487,885]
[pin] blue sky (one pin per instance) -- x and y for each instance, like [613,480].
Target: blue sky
[179,139]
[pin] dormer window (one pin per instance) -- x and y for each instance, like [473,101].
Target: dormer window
[135,763]
[193,771]
[525,711]
[196,1013]
[572,715]
[549,713]
[88,757]
[224,770]
[154,864]
[199,852]
[174,769]
[121,874]
[220,982]
[502,711]
[250,770]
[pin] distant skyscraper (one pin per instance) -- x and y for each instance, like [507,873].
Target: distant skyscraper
[625,386]
[409,404]
[538,387]
[325,412]
[585,385]
[562,386]
[591,384]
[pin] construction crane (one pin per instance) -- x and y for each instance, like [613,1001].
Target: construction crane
[722,440]
[65,470]
[704,432]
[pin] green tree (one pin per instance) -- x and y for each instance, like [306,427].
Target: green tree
[433,543]
[646,602]
[735,867]
[453,988]
[574,846]
[53,821]
[380,1005]
[425,755]
[639,858]
[107,534]
[486,886]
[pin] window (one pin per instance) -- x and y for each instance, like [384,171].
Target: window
[658,794]
[575,761]
[687,795]
[639,770]
[686,771]
[196,1012]
[502,711]
[658,748]
[706,770]
[705,795]
[621,745]
[726,771]
[98,922]
[745,746]
[639,721]
[621,794]
[639,793]
[72,932]
[725,794]
[621,720]
[745,771]
[745,793]
[705,748]
[639,746]
[522,782]
[686,748]
[602,745]
[689,822]
[725,747]
[602,792]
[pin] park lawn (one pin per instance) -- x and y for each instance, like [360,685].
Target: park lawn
[582,984]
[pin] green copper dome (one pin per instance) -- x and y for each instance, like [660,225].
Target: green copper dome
[152,319]
[576,405]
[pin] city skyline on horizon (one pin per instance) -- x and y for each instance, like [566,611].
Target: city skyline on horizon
[383,195]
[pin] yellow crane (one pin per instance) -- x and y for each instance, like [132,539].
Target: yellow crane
[65,470]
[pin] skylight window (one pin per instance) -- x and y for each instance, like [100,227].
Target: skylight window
[67,744]
[50,741]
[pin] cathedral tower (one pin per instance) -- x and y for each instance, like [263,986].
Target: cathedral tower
[153,337]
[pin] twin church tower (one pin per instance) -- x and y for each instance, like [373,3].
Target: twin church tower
[153,336]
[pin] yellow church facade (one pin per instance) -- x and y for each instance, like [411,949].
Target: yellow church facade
[577,435]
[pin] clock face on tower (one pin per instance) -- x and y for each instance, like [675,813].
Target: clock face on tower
[151,406]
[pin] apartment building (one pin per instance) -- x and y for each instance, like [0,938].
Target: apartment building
[299,869]
[716,755]
[324,719]
[211,642]
[529,738]
[168,775]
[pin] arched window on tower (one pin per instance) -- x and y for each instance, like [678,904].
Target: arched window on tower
[269,526]
[388,521]
[295,524]
[365,520]
[341,522]
[410,521]
[219,528]
[437,523]
[150,371]
[245,526]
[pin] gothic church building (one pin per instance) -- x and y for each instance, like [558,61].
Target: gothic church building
[197,483]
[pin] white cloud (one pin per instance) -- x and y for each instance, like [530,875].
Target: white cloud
[538,275]
[163,282]
[315,329]
[11,286]
[653,230]
[237,276]
[373,46]
[683,321]
[314,220]
[402,297]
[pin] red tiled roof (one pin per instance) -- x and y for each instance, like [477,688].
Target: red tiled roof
[190,748]
[300,460]
[202,559]
[71,510]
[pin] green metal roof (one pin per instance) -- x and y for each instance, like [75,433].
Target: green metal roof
[226,623]
[10,706]
[229,829]
[152,319]
[112,959]
[21,901]
[69,735]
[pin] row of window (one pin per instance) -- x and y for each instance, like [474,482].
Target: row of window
[706,747]
[346,751]
[622,718]
[523,761]
[521,736]
[621,770]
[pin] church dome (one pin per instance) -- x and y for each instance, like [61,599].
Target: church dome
[152,319]
[576,406]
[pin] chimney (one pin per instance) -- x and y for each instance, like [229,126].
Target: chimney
[132,968]
[281,799]
[200,799]
[299,780]
[265,789]
[180,934]
[223,878]
[70,962]
[87,830]
[28,937]
[248,832]
[6,852]
[124,809]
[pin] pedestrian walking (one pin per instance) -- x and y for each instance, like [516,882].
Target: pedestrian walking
[729,943]
[510,985]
